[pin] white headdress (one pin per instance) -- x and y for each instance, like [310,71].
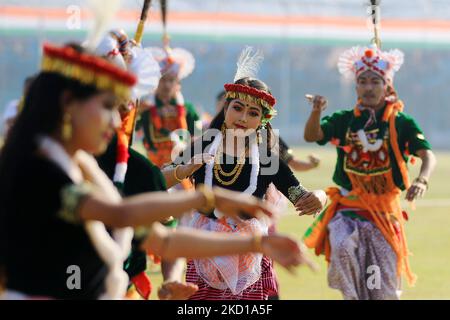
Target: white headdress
[248,67]
[357,60]
[139,61]
[177,60]
[353,62]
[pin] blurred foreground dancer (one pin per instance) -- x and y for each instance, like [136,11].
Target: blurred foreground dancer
[70,238]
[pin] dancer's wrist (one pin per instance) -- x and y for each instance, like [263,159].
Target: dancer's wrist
[422,180]
[257,243]
[208,199]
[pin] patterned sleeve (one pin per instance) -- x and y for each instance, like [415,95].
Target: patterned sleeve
[72,196]
[287,183]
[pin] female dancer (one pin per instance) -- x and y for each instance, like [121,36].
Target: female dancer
[243,162]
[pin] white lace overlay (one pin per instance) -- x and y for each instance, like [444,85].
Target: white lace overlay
[237,272]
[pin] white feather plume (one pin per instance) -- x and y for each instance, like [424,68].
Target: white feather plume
[248,63]
[146,69]
[395,58]
[104,12]
[347,60]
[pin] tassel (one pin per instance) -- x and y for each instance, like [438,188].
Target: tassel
[143,285]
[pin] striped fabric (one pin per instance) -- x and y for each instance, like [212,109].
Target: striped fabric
[266,286]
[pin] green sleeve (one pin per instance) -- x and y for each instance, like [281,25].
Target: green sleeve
[154,180]
[411,134]
[334,126]
[191,117]
[142,175]
[191,112]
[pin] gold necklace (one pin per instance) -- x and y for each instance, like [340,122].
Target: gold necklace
[227,174]
[218,170]
[233,180]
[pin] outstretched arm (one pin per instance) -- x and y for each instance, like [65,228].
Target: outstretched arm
[175,173]
[193,243]
[173,287]
[146,208]
[301,165]
[313,131]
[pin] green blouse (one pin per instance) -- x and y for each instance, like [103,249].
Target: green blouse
[410,137]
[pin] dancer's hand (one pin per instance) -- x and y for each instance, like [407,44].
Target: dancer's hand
[234,204]
[175,290]
[314,161]
[195,163]
[319,103]
[286,251]
[299,165]
[417,189]
[311,203]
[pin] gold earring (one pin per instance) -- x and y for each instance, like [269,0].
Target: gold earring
[223,129]
[67,127]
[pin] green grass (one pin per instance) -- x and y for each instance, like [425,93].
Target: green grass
[427,230]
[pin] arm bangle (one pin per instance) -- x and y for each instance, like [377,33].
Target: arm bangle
[175,174]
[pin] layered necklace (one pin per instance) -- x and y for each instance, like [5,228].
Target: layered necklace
[220,172]
[216,150]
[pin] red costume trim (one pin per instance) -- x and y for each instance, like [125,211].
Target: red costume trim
[94,63]
[251,91]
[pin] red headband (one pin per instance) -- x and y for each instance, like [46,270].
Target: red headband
[91,62]
[268,98]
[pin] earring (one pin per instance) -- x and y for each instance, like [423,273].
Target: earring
[67,127]
[258,135]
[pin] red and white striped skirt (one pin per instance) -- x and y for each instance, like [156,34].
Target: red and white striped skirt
[266,285]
